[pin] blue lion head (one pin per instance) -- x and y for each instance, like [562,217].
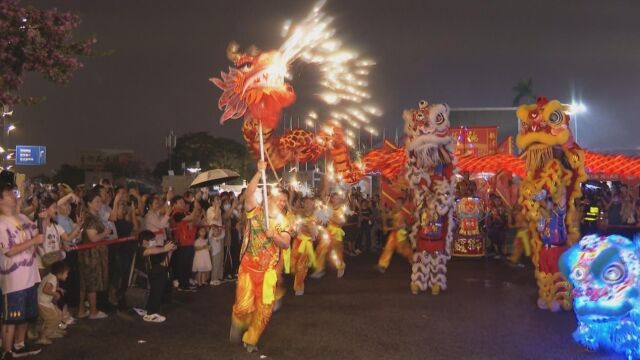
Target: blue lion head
[605,274]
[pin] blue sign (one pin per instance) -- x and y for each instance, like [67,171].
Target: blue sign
[31,155]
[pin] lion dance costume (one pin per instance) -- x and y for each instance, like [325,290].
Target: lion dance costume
[257,278]
[430,172]
[605,274]
[555,172]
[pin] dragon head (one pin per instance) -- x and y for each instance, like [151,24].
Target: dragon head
[605,274]
[543,125]
[256,83]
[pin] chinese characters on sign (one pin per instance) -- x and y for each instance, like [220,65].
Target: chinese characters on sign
[476,141]
[31,155]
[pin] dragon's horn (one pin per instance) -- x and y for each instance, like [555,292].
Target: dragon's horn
[233,51]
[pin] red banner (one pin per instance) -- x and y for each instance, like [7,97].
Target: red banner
[475,141]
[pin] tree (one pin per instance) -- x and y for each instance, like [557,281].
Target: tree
[35,40]
[211,152]
[524,91]
[131,168]
[70,175]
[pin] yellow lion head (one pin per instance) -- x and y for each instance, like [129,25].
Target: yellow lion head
[543,124]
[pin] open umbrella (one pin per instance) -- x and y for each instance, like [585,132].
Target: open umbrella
[214,177]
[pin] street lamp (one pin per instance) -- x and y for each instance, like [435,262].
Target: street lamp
[577,108]
[10,128]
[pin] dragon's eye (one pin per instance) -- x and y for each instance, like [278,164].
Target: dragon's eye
[246,67]
[556,117]
[613,273]
[420,116]
[579,273]
[422,104]
[440,119]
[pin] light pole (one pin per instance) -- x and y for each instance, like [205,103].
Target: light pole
[170,144]
[577,108]
[7,113]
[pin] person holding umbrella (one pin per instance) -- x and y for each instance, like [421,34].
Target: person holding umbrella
[267,232]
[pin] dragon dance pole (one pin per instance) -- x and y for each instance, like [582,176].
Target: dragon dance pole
[264,179]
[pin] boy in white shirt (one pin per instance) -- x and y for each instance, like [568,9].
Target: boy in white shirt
[18,274]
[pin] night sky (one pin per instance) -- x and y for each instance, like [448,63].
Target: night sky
[465,53]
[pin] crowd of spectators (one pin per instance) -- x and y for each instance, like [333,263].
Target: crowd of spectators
[80,247]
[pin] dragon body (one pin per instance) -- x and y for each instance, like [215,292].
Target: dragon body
[554,173]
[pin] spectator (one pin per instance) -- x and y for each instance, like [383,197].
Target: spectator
[376,224]
[185,234]
[497,223]
[614,207]
[157,218]
[48,296]
[104,213]
[364,221]
[231,219]
[202,258]
[93,262]
[216,240]
[18,275]
[156,255]
[121,255]
[56,239]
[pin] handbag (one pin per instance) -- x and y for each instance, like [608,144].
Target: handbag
[49,259]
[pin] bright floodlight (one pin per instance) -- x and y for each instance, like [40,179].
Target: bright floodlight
[11,128]
[1,150]
[578,108]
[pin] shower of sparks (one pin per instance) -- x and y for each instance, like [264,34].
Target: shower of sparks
[343,72]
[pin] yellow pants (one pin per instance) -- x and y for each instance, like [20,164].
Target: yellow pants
[332,248]
[403,248]
[249,311]
[300,264]
[520,245]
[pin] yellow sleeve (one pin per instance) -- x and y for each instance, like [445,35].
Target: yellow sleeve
[250,214]
[402,235]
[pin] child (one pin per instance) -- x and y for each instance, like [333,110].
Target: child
[48,296]
[216,240]
[202,258]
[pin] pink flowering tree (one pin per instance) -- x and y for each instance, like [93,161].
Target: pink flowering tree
[35,40]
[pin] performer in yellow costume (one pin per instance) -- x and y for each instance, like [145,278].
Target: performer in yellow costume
[257,276]
[303,255]
[396,242]
[331,239]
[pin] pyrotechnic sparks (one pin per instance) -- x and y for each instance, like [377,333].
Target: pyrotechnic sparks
[343,72]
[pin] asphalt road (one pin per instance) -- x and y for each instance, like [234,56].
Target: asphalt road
[488,312]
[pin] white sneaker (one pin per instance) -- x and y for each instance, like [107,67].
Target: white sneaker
[216,282]
[176,283]
[192,282]
[156,318]
[98,315]
[140,312]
